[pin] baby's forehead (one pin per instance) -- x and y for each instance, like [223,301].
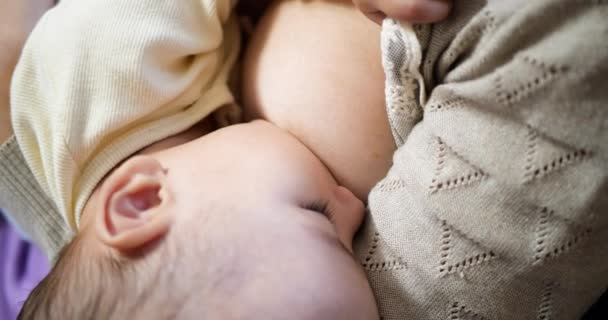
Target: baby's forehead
[255,141]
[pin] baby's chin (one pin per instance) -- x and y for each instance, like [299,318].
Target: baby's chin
[344,300]
[304,297]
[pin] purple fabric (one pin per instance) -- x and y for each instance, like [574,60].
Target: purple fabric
[22,266]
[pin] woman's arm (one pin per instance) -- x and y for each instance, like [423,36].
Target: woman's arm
[6,130]
[8,60]
[495,207]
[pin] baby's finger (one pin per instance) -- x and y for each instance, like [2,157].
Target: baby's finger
[415,11]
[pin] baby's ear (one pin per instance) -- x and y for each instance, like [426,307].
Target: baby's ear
[135,200]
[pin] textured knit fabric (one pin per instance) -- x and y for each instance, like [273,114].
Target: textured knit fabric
[29,207]
[99,80]
[496,206]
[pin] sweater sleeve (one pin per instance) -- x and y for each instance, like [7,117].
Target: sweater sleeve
[496,205]
[100,79]
[26,205]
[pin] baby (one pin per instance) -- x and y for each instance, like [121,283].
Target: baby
[111,104]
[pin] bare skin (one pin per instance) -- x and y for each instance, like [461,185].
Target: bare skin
[416,11]
[314,69]
[17,18]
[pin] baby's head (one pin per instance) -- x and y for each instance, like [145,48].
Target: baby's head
[243,223]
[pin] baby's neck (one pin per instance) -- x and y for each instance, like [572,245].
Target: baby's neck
[198,130]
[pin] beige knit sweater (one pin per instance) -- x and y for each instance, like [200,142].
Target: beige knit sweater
[496,206]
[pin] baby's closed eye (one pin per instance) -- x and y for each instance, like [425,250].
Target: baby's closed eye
[322,207]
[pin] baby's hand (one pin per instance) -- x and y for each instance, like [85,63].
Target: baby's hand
[415,11]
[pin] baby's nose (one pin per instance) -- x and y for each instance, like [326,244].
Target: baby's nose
[348,214]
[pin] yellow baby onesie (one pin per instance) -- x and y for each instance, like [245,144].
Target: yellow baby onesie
[99,80]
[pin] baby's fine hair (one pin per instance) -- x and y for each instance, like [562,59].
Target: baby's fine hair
[87,286]
[199,272]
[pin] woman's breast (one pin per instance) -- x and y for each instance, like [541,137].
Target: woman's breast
[314,69]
